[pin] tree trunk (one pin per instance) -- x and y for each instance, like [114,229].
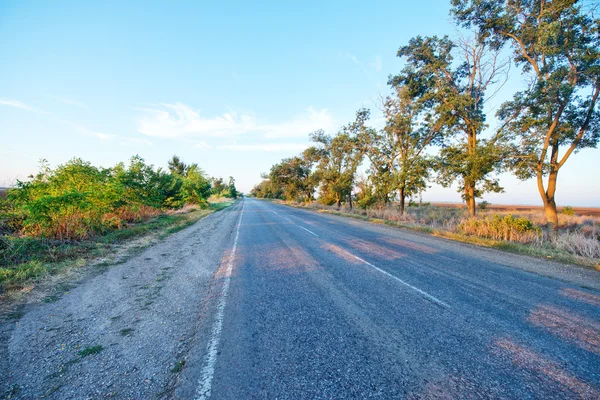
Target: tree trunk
[469,185]
[402,199]
[548,198]
[470,198]
[350,200]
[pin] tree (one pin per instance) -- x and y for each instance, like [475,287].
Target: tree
[396,153]
[454,94]
[218,186]
[338,159]
[294,177]
[196,186]
[233,193]
[177,166]
[266,190]
[557,46]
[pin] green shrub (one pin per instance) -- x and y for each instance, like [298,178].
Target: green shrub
[76,200]
[568,210]
[509,228]
[483,205]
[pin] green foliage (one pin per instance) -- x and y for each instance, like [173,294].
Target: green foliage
[338,158]
[267,190]
[88,351]
[483,205]
[219,188]
[508,228]
[568,210]
[294,178]
[450,80]
[366,195]
[77,200]
[557,46]
[396,153]
[440,99]
[22,272]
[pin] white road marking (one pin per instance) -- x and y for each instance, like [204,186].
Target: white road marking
[311,232]
[289,220]
[205,382]
[275,212]
[421,292]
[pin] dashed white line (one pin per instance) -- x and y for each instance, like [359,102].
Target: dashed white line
[421,292]
[205,382]
[275,212]
[309,231]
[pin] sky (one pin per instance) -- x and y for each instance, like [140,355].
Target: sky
[232,86]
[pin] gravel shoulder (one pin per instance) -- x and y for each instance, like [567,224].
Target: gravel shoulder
[125,332]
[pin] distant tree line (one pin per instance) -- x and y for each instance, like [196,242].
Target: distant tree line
[438,100]
[76,200]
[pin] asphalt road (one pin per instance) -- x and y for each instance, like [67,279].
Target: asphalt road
[265,301]
[323,307]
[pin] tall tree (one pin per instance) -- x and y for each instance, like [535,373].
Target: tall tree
[338,159]
[294,176]
[557,45]
[403,142]
[177,166]
[233,193]
[454,92]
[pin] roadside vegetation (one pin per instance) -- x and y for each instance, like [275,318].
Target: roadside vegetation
[76,211]
[523,232]
[436,130]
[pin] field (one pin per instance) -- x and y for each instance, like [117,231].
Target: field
[589,211]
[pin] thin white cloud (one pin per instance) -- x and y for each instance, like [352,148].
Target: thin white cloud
[302,125]
[203,145]
[16,104]
[123,140]
[71,102]
[366,67]
[181,121]
[264,147]
[376,65]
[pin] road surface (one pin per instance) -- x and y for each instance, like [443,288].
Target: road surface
[267,301]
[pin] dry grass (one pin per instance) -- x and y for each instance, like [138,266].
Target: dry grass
[578,236]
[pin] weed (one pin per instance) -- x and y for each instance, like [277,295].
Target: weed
[90,351]
[126,332]
[178,366]
[568,210]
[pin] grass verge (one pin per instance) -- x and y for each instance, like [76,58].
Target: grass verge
[26,261]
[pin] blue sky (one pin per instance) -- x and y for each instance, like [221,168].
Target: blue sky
[233,86]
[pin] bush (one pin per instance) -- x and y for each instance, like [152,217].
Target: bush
[483,205]
[578,243]
[509,228]
[568,210]
[77,200]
